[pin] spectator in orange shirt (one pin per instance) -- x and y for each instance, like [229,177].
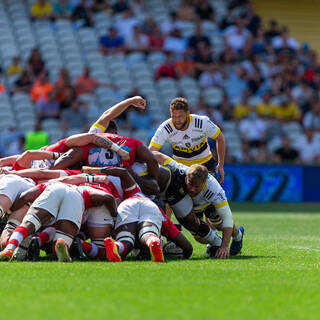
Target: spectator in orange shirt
[86,84]
[185,67]
[41,88]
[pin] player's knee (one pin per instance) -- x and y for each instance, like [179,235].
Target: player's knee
[147,230]
[126,237]
[203,229]
[32,222]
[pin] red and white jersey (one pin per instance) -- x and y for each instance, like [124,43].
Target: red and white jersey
[59,146]
[100,157]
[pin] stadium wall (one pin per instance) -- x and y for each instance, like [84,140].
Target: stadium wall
[272,183]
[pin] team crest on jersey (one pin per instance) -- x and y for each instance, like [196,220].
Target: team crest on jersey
[100,157]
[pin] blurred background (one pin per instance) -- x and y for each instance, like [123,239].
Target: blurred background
[251,66]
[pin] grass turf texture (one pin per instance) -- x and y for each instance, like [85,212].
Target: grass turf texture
[276,277]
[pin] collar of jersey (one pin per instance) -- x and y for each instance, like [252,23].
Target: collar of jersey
[205,185]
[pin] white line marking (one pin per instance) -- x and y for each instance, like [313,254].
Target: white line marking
[305,248]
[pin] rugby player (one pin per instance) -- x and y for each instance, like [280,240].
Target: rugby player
[188,135]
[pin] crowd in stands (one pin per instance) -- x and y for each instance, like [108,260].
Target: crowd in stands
[270,84]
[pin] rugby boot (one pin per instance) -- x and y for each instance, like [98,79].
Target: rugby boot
[111,250]
[76,251]
[34,250]
[20,253]
[6,255]
[156,251]
[236,246]
[62,251]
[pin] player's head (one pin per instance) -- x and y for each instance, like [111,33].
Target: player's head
[112,127]
[196,178]
[179,111]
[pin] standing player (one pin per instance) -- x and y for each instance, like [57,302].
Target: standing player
[188,135]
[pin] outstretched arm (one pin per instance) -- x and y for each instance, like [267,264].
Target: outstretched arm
[103,122]
[26,197]
[26,158]
[8,161]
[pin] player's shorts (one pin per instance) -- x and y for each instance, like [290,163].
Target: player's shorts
[99,217]
[183,207]
[12,186]
[63,202]
[138,210]
[211,166]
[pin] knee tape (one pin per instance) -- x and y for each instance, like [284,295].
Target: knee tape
[66,237]
[99,242]
[149,229]
[33,218]
[11,224]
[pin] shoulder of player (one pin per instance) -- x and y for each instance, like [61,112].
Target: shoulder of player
[199,122]
[167,126]
[212,187]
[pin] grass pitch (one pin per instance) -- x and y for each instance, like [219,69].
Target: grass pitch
[277,276]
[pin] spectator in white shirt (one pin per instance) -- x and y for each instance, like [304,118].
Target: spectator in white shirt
[284,41]
[137,40]
[311,119]
[170,24]
[309,147]
[212,77]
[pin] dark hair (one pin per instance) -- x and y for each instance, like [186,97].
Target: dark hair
[179,104]
[112,127]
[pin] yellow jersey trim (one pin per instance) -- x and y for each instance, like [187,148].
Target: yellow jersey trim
[188,163]
[99,126]
[156,145]
[205,185]
[168,160]
[144,173]
[216,134]
[221,204]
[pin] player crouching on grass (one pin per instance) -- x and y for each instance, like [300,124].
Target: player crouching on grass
[137,214]
[63,204]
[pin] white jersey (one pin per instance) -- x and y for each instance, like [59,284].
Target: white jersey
[191,145]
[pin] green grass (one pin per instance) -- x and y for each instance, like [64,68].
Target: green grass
[276,277]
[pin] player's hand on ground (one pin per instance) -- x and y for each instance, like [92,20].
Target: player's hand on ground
[219,168]
[138,102]
[223,253]
[123,154]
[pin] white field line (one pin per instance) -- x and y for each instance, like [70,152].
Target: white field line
[304,248]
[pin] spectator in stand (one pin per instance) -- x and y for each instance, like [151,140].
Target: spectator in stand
[309,147]
[311,119]
[185,67]
[171,24]
[273,31]
[48,108]
[120,6]
[212,77]
[198,37]
[242,109]
[15,68]
[101,5]
[226,109]
[35,63]
[82,14]
[253,129]
[166,70]
[148,25]
[204,10]
[2,87]
[139,119]
[286,153]
[228,20]
[137,41]
[186,11]
[126,24]
[203,109]
[86,84]
[138,7]
[74,118]
[253,20]
[266,109]
[259,44]
[287,111]
[63,88]
[41,10]
[237,37]
[175,42]
[11,142]
[41,88]
[23,84]
[111,42]
[36,139]
[62,9]
[284,43]
[203,58]
[235,83]
[156,39]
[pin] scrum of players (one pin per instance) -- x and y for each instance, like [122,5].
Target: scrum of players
[105,196]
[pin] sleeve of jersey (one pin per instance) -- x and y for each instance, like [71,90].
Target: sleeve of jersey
[213,131]
[97,128]
[159,138]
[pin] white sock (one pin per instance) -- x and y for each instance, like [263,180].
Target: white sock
[213,238]
[2,213]
[120,246]
[238,236]
[151,238]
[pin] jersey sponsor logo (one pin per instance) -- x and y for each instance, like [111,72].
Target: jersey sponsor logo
[186,137]
[100,157]
[189,152]
[197,138]
[198,123]
[197,130]
[168,128]
[188,145]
